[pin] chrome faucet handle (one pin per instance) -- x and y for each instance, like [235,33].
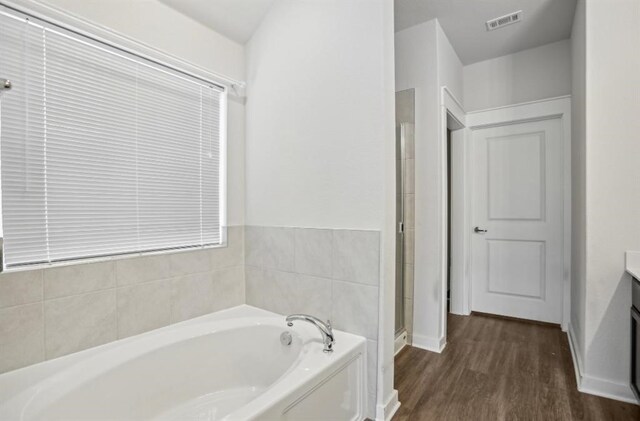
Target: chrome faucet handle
[324,327]
[329,339]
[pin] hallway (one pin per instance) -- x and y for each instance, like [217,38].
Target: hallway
[498,369]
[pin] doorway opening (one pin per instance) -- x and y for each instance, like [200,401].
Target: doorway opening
[507,238]
[454,212]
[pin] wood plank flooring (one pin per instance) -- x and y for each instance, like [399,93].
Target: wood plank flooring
[497,369]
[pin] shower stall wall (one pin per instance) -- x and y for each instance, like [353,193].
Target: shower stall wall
[405,200]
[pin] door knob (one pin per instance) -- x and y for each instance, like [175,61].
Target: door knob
[478,230]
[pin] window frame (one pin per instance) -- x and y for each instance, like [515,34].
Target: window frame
[50,16]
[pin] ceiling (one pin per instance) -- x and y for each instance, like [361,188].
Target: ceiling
[235,19]
[543,21]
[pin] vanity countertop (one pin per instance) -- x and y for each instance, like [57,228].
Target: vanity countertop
[633,263]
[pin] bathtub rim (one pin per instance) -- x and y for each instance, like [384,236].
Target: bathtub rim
[19,382]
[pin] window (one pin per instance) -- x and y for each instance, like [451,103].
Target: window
[103,152]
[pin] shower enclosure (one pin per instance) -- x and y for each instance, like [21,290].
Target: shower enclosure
[405,199]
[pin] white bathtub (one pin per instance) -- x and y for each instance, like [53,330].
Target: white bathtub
[229,365]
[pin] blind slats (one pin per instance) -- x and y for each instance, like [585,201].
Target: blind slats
[102,152]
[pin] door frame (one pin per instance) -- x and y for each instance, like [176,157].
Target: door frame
[546,109]
[452,113]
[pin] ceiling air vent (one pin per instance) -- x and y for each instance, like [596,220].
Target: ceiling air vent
[505,20]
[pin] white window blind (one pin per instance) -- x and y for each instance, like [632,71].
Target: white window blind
[102,152]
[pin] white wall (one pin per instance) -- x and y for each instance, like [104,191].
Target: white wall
[157,25]
[387,399]
[315,152]
[578,179]
[613,182]
[450,69]
[426,61]
[319,134]
[528,75]
[416,67]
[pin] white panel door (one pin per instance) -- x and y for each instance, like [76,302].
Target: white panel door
[517,264]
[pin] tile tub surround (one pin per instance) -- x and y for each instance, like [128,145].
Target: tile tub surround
[331,274]
[47,313]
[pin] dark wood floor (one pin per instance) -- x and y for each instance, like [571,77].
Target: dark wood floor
[496,369]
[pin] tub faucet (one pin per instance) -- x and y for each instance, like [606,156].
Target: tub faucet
[324,328]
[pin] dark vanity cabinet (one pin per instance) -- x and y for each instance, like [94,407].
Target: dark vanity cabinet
[635,339]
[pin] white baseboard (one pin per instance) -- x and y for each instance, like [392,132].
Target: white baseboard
[575,354]
[401,342]
[594,385]
[429,343]
[460,312]
[607,389]
[387,411]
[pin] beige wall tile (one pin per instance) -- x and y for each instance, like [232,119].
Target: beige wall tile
[278,248]
[263,288]
[228,287]
[270,247]
[83,307]
[187,262]
[18,288]
[409,211]
[355,308]
[405,106]
[408,315]
[306,294]
[408,281]
[253,278]
[313,249]
[409,176]
[192,296]
[409,246]
[410,143]
[143,307]
[143,269]
[233,253]
[21,336]
[253,245]
[69,280]
[79,322]
[356,256]
[287,293]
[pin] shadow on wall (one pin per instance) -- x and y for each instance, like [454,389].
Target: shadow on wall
[610,353]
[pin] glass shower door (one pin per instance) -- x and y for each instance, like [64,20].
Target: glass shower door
[405,213]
